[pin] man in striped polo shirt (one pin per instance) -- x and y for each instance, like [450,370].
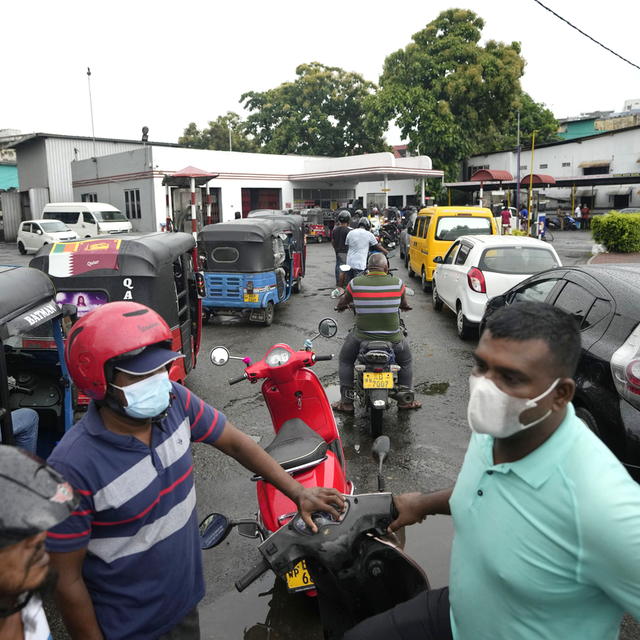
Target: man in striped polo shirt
[377,296]
[129,556]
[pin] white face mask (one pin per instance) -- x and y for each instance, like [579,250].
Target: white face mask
[495,412]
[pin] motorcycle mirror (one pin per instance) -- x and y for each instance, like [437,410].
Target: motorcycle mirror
[380,451]
[219,356]
[392,253]
[381,448]
[328,327]
[248,529]
[70,311]
[213,530]
[335,294]
[409,291]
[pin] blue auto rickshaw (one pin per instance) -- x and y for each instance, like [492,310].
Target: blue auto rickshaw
[248,268]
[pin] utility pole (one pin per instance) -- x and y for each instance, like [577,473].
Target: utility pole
[93,133]
[230,148]
[533,146]
[518,171]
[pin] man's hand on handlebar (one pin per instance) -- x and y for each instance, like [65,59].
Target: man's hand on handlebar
[407,308]
[410,508]
[313,499]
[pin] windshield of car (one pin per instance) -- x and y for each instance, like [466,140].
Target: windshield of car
[109,216]
[517,260]
[54,226]
[452,227]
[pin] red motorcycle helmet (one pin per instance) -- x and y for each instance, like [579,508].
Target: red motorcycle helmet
[113,331]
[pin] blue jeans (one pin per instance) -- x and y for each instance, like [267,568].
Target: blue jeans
[25,429]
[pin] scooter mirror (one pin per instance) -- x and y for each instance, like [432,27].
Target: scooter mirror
[409,291]
[213,530]
[381,448]
[219,356]
[328,327]
[248,529]
[391,253]
[335,294]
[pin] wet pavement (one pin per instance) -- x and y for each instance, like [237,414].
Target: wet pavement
[428,445]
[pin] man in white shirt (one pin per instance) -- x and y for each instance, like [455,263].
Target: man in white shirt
[359,241]
[578,215]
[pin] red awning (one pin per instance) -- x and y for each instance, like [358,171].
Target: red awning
[490,174]
[539,179]
[183,177]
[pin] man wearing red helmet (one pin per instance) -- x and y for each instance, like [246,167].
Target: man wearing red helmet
[134,538]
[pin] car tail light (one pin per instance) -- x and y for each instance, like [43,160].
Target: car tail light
[475,277]
[625,368]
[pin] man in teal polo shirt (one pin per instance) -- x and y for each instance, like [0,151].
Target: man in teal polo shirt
[547,521]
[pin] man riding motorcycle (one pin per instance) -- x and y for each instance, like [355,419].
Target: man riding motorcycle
[377,296]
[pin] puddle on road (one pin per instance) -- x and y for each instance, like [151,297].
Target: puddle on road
[433,388]
[265,611]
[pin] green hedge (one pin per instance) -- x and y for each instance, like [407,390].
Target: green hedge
[618,232]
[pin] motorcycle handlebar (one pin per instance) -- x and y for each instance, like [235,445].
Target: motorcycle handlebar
[237,379]
[252,575]
[319,358]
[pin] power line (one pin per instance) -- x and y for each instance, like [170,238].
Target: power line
[586,35]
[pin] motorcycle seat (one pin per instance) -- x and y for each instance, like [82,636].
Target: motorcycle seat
[376,345]
[297,445]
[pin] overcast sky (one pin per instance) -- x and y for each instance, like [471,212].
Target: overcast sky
[164,65]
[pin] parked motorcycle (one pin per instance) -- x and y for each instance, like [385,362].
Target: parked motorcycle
[359,570]
[307,443]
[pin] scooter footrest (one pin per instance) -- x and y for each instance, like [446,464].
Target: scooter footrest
[296,444]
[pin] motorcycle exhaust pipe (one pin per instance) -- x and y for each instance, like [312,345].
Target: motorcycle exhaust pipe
[404,396]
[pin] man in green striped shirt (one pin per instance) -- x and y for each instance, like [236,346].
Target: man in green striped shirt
[377,296]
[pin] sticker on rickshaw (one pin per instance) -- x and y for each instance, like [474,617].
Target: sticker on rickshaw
[72,258]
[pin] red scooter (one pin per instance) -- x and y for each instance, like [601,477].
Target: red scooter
[307,443]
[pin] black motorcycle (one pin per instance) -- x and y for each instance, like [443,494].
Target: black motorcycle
[358,569]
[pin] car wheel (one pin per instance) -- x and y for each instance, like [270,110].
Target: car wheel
[587,417]
[406,260]
[462,327]
[435,298]
[412,273]
[296,285]
[269,312]
[21,248]
[426,285]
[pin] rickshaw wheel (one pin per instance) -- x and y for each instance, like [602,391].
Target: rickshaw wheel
[207,316]
[296,285]
[269,312]
[319,239]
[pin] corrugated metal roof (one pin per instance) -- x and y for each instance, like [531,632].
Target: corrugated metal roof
[30,136]
[538,179]
[490,174]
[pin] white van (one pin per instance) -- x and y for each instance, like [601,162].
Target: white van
[88,219]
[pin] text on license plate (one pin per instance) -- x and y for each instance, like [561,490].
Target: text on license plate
[378,380]
[299,579]
[251,297]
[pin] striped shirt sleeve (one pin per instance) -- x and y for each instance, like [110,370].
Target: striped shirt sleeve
[207,423]
[73,533]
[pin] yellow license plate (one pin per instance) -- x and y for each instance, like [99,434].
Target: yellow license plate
[378,380]
[251,297]
[299,579]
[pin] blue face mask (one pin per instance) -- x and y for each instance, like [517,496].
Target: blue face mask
[147,398]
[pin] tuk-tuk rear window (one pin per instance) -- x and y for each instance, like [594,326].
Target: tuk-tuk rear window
[225,254]
[451,228]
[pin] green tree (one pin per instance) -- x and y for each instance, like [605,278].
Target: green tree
[533,116]
[216,135]
[320,113]
[445,90]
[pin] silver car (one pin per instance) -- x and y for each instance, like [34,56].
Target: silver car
[34,234]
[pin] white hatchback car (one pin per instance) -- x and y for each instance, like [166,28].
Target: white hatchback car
[34,234]
[477,268]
